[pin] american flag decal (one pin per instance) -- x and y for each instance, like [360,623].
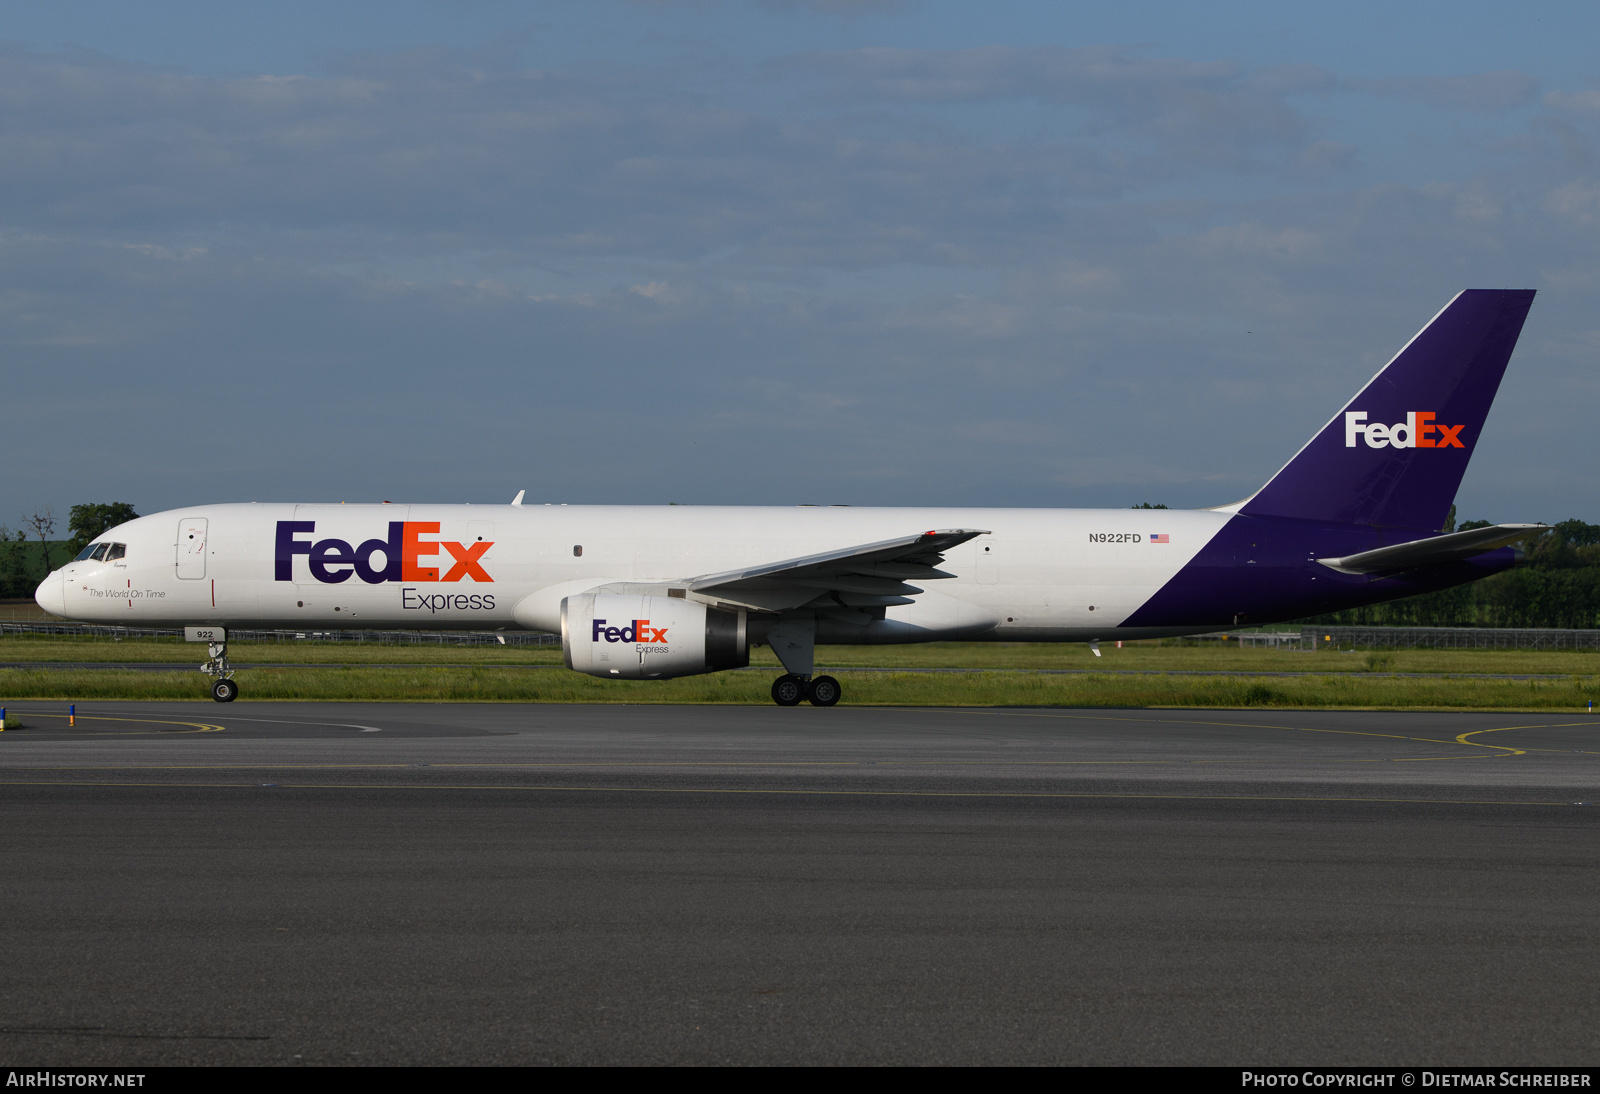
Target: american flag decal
[1161,539]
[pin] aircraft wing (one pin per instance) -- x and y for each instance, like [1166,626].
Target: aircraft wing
[846,583]
[1433,551]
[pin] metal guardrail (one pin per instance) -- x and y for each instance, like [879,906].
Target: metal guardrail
[1449,638]
[371,638]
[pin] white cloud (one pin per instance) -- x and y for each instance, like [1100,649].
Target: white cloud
[1585,101]
[1211,111]
[1484,92]
[1576,202]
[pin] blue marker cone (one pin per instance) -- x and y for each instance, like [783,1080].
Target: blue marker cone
[72,715]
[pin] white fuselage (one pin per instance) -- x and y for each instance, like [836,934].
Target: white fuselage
[1038,574]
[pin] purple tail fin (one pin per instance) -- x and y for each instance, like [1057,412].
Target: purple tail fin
[1396,453]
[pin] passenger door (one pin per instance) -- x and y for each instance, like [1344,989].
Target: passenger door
[192,548]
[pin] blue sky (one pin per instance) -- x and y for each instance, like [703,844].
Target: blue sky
[872,253]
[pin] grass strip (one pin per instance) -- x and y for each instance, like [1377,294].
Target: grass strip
[176,652]
[982,655]
[497,684]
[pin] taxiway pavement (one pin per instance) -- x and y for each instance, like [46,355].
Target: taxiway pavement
[412,883]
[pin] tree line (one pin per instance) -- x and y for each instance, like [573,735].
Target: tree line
[1558,585]
[29,553]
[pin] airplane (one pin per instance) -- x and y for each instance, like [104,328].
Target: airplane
[652,592]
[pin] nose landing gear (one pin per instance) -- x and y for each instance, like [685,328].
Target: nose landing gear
[223,689]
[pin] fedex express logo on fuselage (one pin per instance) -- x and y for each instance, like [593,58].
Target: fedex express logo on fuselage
[1415,432]
[403,553]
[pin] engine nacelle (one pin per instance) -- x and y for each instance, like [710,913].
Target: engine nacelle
[632,637]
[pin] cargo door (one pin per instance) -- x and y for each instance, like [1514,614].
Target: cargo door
[192,548]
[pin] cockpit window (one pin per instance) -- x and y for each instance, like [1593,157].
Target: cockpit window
[102,552]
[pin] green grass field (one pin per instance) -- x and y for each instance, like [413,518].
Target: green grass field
[548,685]
[343,672]
[177,651]
[1146,656]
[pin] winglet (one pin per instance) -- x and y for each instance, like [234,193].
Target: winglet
[517,501]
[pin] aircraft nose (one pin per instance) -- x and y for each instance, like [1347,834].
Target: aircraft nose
[51,595]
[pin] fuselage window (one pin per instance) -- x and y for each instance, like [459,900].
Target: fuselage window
[118,550]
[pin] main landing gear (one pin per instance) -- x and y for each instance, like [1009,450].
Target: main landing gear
[788,690]
[794,640]
[223,689]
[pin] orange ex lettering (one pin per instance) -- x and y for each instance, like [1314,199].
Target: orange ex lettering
[467,557]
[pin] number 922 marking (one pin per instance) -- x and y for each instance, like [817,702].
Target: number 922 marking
[1115,537]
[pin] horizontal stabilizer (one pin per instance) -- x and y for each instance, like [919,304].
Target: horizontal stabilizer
[1434,551]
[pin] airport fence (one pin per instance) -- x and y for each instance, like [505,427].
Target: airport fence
[370,638]
[1448,638]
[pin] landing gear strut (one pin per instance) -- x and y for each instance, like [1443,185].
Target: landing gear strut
[223,689]
[793,639]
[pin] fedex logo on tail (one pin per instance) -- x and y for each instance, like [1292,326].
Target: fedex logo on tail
[1419,430]
[638,630]
[404,551]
